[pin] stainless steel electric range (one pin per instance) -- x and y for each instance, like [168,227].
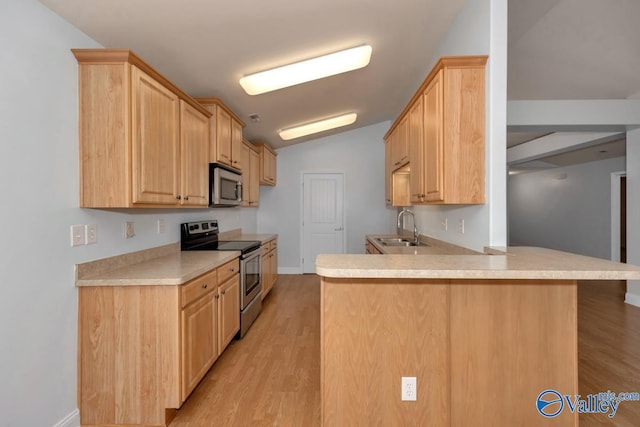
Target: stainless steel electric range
[203,236]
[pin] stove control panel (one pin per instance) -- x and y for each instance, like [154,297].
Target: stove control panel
[201,227]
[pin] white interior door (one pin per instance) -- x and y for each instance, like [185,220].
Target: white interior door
[322,217]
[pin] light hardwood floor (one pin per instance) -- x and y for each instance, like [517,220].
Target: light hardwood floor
[272,376]
[608,349]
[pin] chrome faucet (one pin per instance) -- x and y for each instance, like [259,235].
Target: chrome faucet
[415,229]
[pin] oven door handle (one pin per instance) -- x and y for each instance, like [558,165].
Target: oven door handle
[251,255]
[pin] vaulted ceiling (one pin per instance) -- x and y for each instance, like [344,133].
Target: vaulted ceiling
[558,49]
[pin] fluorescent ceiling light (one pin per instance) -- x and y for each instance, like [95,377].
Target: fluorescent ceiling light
[319,126]
[305,71]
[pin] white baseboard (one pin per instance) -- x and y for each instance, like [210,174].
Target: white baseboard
[289,270]
[632,299]
[71,420]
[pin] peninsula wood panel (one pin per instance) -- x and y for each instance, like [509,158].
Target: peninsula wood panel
[511,340]
[129,343]
[375,331]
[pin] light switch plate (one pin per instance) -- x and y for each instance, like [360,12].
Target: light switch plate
[77,235]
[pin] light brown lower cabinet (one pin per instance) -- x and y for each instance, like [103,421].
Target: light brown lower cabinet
[269,266]
[370,249]
[228,314]
[143,349]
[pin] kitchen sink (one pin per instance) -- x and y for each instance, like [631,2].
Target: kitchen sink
[398,241]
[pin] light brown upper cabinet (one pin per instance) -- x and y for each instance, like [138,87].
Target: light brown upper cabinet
[446,133]
[396,167]
[225,130]
[388,170]
[194,129]
[267,164]
[400,144]
[416,151]
[250,175]
[142,140]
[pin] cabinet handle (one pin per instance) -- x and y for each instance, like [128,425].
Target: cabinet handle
[205,286]
[232,270]
[179,197]
[217,296]
[186,197]
[224,292]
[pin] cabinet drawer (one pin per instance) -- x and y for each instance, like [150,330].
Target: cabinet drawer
[228,270]
[274,244]
[198,287]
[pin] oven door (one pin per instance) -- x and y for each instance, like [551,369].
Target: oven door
[250,276]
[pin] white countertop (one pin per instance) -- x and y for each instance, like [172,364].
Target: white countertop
[518,263]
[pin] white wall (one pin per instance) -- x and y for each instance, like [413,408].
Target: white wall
[479,29]
[633,212]
[360,155]
[571,214]
[39,184]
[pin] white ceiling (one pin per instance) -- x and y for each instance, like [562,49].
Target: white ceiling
[558,49]
[206,46]
[573,49]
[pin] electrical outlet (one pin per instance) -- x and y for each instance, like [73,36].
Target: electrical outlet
[161,226]
[92,233]
[78,236]
[461,226]
[444,224]
[409,389]
[128,230]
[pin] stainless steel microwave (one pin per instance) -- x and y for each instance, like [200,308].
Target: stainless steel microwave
[225,185]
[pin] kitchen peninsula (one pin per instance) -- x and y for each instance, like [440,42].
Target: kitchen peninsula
[484,335]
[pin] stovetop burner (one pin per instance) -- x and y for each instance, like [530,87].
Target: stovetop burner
[203,236]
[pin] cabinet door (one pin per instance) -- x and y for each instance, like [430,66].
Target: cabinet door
[155,141]
[416,150]
[223,137]
[269,268]
[229,311]
[433,139]
[270,167]
[245,160]
[254,178]
[194,143]
[402,142]
[199,345]
[387,171]
[274,264]
[236,144]
[266,269]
